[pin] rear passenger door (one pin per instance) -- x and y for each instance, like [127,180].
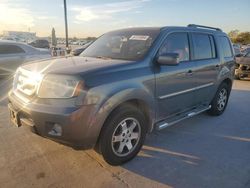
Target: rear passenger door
[207,66]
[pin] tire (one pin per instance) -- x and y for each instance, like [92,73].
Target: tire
[219,102]
[125,128]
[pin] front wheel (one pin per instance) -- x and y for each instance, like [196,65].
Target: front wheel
[220,100]
[123,135]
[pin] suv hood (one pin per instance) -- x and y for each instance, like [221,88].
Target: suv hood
[71,65]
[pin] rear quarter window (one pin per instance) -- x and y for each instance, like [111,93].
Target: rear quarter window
[226,46]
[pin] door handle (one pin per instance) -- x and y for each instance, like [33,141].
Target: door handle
[189,73]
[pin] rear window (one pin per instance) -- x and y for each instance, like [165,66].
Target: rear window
[42,41]
[10,49]
[226,47]
[204,47]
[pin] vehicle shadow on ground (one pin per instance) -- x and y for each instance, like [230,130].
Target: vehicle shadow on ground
[203,151]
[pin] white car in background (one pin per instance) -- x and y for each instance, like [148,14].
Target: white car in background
[13,54]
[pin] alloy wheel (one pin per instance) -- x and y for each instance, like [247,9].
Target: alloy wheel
[222,99]
[126,137]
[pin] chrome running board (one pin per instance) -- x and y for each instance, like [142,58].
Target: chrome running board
[171,121]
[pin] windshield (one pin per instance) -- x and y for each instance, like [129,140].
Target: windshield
[124,44]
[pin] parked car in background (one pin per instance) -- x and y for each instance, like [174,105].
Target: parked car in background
[245,50]
[75,43]
[9,38]
[79,50]
[57,51]
[124,85]
[14,54]
[242,69]
[237,51]
[82,43]
[41,43]
[236,45]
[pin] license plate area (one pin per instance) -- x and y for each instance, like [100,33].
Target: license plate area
[14,116]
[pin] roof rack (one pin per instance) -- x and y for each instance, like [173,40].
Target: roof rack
[203,26]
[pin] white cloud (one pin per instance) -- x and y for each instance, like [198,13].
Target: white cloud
[45,17]
[13,16]
[86,14]
[105,11]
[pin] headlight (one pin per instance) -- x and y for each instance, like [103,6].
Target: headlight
[26,81]
[59,86]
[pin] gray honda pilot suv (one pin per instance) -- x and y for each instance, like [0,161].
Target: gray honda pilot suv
[124,85]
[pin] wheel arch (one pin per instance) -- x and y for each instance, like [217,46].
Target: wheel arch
[139,104]
[228,81]
[142,101]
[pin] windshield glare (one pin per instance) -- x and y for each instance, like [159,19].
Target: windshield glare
[126,45]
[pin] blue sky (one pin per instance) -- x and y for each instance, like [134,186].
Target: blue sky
[94,17]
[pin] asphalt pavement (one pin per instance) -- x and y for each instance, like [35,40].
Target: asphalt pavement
[203,151]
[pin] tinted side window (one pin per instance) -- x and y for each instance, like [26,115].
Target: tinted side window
[203,46]
[214,55]
[176,43]
[10,49]
[226,47]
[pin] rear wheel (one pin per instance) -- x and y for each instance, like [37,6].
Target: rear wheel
[123,135]
[220,100]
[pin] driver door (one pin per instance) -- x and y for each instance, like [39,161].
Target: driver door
[175,84]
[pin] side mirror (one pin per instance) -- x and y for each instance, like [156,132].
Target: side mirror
[168,59]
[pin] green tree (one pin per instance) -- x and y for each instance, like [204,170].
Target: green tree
[243,38]
[233,35]
[90,38]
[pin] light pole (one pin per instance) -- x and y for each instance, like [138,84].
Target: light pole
[66,25]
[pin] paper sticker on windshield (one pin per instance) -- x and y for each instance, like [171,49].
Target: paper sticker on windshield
[139,37]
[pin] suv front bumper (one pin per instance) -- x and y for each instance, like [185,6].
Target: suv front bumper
[66,125]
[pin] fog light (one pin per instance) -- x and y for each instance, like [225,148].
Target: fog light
[56,130]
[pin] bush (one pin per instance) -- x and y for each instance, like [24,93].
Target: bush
[239,37]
